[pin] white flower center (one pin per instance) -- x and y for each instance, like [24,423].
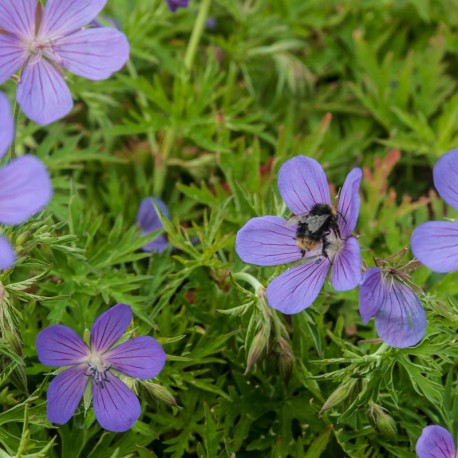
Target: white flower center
[38,48]
[334,246]
[98,369]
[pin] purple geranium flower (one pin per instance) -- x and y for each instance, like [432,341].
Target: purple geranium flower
[435,243]
[270,240]
[116,406]
[41,41]
[211,23]
[399,316]
[25,185]
[149,221]
[175,4]
[436,442]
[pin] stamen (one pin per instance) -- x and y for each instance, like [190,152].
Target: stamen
[98,371]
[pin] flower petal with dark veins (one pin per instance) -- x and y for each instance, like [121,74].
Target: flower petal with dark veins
[435,442]
[349,203]
[18,17]
[302,184]
[435,244]
[297,288]
[94,53]
[371,293]
[12,56]
[65,392]
[267,241]
[42,93]
[445,176]
[115,406]
[109,327]
[58,345]
[61,17]
[142,357]
[346,266]
[401,320]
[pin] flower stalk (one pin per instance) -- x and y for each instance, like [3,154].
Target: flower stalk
[16,110]
[197,32]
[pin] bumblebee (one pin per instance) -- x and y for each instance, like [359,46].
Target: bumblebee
[313,228]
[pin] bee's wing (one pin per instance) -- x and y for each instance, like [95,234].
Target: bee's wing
[295,220]
[314,222]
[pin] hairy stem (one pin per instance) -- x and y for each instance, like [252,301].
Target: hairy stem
[160,166]
[15,119]
[254,282]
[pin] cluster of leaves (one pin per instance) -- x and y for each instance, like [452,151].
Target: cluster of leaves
[350,83]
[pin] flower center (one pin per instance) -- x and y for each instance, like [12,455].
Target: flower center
[37,46]
[334,244]
[98,370]
[41,48]
[317,227]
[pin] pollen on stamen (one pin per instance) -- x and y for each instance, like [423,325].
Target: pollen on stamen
[98,370]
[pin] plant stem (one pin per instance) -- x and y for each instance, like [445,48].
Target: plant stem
[161,162]
[383,348]
[197,31]
[144,103]
[254,282]
[160,166]
[15,118]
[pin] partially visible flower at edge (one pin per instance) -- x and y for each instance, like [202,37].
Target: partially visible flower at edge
[435,243]
[211,23]
[268,241]
[25,185]
[116,407]
[149,221]
[175,4]
[40,41]
[399,316]
[435,442]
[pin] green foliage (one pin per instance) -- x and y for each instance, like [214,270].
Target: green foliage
[370,84]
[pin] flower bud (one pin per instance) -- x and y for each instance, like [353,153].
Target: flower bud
[259,343]
[160,393]
[285,359]
[382,421]
[87,397]
[21,239]
[342,392]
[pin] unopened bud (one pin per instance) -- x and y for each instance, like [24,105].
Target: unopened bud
[160,393]
[21,239]
[87,336]
[383,421]
[259,343]
[87,397]
[339,395]
[130,382]
[13,341]
[285,359]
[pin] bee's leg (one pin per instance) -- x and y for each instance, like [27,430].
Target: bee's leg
[323,249]
[336,230]
[324,245]
[303,252]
